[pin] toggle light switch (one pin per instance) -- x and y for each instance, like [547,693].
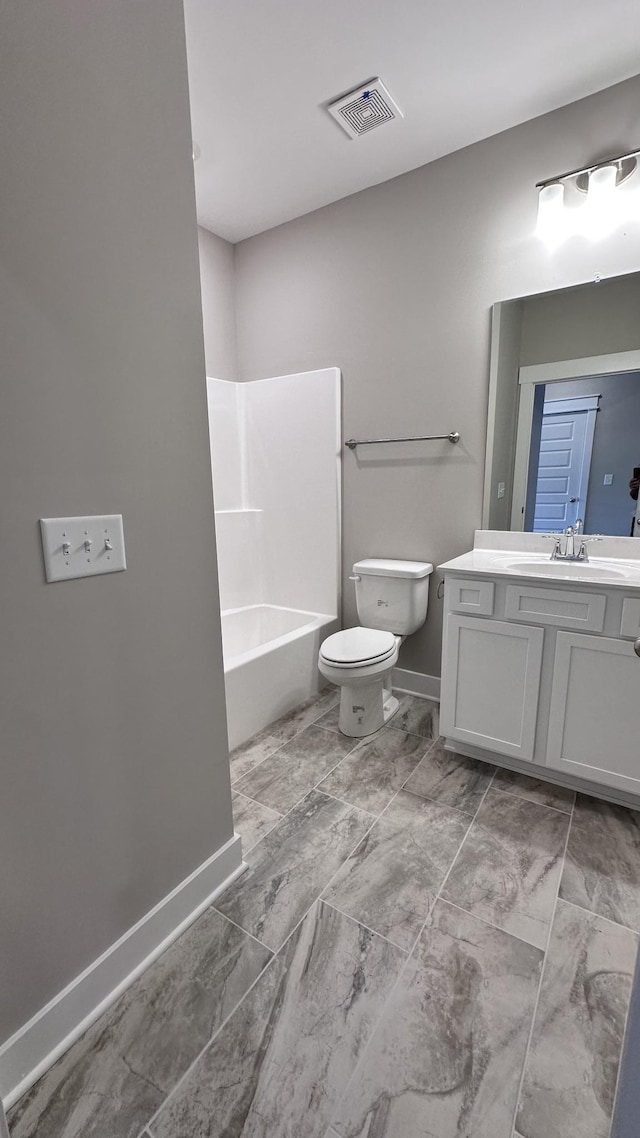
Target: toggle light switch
[82,547]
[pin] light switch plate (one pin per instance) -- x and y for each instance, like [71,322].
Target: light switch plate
[82,547]
[608,480]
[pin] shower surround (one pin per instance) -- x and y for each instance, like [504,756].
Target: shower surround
[276,462]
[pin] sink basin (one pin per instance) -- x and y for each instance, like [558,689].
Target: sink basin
[582,570]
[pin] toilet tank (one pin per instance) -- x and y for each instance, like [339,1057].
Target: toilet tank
[392,595]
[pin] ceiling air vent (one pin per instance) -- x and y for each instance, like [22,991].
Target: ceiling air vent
[367,107]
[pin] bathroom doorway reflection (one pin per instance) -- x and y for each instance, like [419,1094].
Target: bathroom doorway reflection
[578,454]
[562,435]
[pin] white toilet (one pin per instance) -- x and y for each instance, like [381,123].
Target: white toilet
[392,598]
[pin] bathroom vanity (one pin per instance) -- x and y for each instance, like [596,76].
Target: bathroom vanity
[541,660]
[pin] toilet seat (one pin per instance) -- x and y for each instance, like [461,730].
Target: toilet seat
[357,647]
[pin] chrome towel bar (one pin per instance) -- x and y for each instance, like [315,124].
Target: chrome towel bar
[452,436]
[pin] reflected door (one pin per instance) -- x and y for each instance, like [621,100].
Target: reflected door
[564,462]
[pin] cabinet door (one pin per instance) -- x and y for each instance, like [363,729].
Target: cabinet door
[593,721]
[490,684]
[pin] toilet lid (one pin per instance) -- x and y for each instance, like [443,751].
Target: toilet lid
[358,646]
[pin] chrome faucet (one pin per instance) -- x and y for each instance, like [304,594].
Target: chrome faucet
[569,551]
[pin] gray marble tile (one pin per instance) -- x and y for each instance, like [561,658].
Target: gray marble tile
[571,1069]
[291,866]
[373,772]
[291,772]
[331,718]
[509,867]
[120,1071]
[417,715]
[602,867]
[534,789]
[392,878]
[280,1064]
[446,1058]
[451,779]
[245,757]
[251,820]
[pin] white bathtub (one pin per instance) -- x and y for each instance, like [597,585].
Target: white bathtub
[270,663]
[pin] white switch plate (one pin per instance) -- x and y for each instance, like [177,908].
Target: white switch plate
[501,489]
[608,480]
[66,554]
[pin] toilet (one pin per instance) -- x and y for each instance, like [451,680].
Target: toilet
[391,598]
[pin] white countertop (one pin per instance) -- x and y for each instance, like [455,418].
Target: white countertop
[497,554]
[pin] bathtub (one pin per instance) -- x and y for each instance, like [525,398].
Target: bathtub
[270,663]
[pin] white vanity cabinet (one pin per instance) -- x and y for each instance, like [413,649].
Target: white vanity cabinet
[544,676]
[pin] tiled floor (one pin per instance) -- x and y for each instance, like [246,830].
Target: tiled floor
[422,947]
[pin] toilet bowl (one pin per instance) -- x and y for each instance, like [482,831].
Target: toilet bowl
[360,660]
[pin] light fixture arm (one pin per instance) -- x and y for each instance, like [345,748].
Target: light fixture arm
[587,169]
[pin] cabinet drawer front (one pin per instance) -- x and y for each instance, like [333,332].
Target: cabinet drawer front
[630,624]
[469,595]
[560,607]
[593,724]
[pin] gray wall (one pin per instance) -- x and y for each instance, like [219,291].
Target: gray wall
[506,332]
[589,321]
[218,305]
[616,448]
[114,777]
[395,285]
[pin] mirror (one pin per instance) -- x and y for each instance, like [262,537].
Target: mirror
[563,439]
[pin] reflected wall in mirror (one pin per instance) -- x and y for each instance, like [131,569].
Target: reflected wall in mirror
[563,440]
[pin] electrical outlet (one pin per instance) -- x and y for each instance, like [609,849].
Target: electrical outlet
[82,547]
[501,489]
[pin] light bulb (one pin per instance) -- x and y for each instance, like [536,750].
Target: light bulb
[600,215]
[551,220]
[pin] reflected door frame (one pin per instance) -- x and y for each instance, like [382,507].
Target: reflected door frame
[615,363]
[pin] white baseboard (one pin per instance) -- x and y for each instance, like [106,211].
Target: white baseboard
[416,683]
[35,1047]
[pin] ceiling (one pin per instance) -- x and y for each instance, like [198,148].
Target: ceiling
[262,71]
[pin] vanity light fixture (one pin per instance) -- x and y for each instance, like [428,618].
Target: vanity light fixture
[606,205]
